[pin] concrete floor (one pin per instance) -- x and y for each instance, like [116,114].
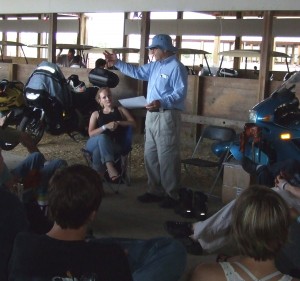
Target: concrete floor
[121,215]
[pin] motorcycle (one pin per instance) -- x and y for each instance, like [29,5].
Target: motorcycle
[12,104]
[58,105]
[273,131]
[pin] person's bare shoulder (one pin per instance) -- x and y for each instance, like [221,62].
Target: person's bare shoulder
[208,271]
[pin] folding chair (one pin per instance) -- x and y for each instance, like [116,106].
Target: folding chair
[122,161]
[213,133]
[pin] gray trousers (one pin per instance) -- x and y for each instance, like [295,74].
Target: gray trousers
[162,152]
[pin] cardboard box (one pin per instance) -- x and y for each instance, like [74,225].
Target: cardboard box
[235,180]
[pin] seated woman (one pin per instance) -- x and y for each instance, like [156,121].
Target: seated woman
[106,131]
[260,222]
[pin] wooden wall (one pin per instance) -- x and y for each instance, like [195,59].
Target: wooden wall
[210,100]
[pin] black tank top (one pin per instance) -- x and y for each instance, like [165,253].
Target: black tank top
[114,115]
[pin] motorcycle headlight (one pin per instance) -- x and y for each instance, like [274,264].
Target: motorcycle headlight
[32,96]
[252,116]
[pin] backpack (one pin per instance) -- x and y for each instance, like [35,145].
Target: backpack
[11,94]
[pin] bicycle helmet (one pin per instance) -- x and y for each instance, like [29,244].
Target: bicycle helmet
[76,85]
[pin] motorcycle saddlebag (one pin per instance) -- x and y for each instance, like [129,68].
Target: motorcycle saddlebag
[103,78]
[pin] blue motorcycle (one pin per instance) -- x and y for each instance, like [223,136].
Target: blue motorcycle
[273,131]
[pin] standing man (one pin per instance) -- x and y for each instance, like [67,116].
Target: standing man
[166,92]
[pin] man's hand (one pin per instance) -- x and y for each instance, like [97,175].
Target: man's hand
[110,58]
[153,106]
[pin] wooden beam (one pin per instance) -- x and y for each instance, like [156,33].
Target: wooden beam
[199,119]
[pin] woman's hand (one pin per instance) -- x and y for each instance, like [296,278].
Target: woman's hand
[281,183]
[112,125]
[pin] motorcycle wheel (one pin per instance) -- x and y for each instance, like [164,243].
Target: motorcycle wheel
[33,127]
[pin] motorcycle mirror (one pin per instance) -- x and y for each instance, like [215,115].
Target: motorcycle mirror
[103,78]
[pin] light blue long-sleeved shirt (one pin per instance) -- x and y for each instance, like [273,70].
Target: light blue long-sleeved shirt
[167,80]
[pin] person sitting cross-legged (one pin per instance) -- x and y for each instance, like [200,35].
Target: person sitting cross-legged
[75,194]
[34,172]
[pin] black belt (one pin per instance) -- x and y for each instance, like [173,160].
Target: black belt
[159,110]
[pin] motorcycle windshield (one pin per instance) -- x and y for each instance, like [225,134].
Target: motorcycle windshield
[295,78]
[282,101]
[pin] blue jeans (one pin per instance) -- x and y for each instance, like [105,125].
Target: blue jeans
[103,150]
[157,259]
[36,161]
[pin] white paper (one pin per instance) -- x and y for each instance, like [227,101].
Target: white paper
[136,102]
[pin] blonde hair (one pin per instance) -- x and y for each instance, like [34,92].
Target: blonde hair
[97,97]
[260,222]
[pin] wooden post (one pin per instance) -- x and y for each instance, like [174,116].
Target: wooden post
[142,85]
[237,45]
[178,39]
[266,48]
[52,38]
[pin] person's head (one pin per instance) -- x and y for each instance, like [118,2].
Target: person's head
[100,63]
[74,196]
[260,222]
[71,54]
[104,97]
[76,60]
[162,46]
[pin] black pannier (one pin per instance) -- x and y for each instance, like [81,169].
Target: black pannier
[103,78]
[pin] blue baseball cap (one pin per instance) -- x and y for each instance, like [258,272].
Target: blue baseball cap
[163,42]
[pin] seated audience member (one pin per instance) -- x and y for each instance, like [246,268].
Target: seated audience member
[214,233]
[75,194]
[260,221]
[12,221]
[266,174]
[15,216]
[77,62]
[65,60]
[100,63]
[106,131]
[34,172]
